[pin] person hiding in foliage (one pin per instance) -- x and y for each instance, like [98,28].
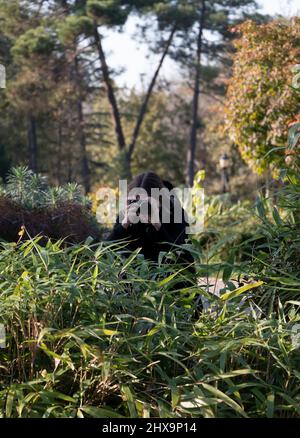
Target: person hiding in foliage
[153,220]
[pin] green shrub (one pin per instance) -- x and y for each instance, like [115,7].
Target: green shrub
[29,207]
[32,191]
[91,334]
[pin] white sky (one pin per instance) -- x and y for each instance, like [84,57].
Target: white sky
[136,61]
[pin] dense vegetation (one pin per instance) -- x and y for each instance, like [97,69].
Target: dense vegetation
[29,206]
[90,334]
[92,331]
[75,122]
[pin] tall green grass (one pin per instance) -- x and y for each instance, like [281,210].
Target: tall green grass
[90,334]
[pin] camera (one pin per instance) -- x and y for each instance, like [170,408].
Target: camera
[142,204]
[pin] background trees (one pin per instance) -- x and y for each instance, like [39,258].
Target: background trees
[261,100]
[203,51]
[65,114]
[75,123]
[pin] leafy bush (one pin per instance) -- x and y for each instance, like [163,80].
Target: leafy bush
[31,191]
[260,99]
[30,207]
[259,242]
[89,334]
[274,250]
[226,226]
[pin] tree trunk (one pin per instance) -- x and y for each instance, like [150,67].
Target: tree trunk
[126,154]
[195,104]
[32,144]
[110,91]
[59,154]
[85,171]
[144,107]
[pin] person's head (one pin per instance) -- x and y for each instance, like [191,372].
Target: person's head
[147,188]
[147,181]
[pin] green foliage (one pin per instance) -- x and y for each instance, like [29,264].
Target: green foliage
[161,146]
[260,242]
[90,333]
[74,26]
[88,336]
[181,13]
[226,226]
[32,191]
[93,334]
[294,136]
[275,249]
[38,41]
[109,12]
[261,99]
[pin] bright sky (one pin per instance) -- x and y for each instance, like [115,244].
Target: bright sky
[136,62]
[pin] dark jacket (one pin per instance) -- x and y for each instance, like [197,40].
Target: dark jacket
[151,241]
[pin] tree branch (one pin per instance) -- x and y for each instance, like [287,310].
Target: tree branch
[195,105]
[145,103]
[110,90]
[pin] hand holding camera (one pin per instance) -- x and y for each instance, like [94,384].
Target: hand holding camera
[142,210]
